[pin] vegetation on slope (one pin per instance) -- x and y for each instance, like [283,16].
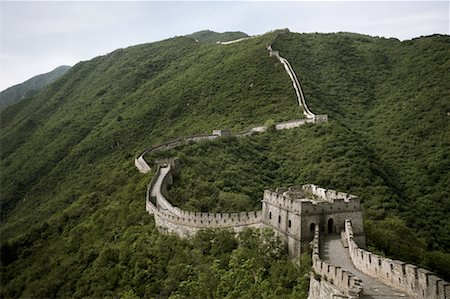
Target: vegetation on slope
[393,95]
[73,218]
[30,87]
[392,148]
[230,174]
[211,37]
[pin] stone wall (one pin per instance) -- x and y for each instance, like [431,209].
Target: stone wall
[295,82]
[343,281]
[143,167]
[320,118]
[141,164]
[185,223]
[292,124]
[322,289]
[417,282]
[189,223]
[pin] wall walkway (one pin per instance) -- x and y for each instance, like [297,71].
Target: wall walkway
[334,253]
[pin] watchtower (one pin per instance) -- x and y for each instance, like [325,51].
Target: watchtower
[295,212]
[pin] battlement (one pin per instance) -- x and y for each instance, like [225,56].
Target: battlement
[310,199]
[186,223]
[343,280]
[417,282]
[203,220]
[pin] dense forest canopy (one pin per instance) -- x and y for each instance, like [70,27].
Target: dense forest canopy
[73,216]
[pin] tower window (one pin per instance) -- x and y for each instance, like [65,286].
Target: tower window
[270,215]
[279,219]
[289,223]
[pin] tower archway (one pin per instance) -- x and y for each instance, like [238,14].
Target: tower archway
[330,226]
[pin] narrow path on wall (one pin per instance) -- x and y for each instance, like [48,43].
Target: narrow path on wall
[334,252]
[156,191]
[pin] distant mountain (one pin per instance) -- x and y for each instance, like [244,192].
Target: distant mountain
[30,87]
[211,37]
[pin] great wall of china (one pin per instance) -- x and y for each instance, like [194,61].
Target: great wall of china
[329,222]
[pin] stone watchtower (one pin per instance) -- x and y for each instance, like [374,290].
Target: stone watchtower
[294,214]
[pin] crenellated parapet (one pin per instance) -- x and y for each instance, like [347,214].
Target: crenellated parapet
[186,223]
[309,199]
[344,281]
[415,281]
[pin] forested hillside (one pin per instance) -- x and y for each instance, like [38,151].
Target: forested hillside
[30,87]
[73,216]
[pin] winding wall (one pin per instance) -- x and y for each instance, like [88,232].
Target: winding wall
[143,167]
[329,281]
[297,87]
[186,223]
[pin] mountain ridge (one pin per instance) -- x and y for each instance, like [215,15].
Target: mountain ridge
[209,36]
[70,192]
[30,87]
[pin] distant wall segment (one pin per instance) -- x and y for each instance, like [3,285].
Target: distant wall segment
[143,167]
[297,87]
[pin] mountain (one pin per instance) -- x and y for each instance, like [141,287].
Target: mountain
[211,37]
[30,87]
[73,216]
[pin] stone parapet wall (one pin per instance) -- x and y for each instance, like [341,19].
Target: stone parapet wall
[328,194]
[332,201]
[295,82]
[417,282]
[322,289]
[292,124]
[211,220]
[317,119]
[347,283]
[176,220]
[141,165]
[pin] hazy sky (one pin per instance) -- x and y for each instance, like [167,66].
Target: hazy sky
[38,36]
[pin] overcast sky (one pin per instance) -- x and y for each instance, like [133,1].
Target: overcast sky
[38,36]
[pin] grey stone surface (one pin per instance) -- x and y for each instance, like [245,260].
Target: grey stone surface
[334,252]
